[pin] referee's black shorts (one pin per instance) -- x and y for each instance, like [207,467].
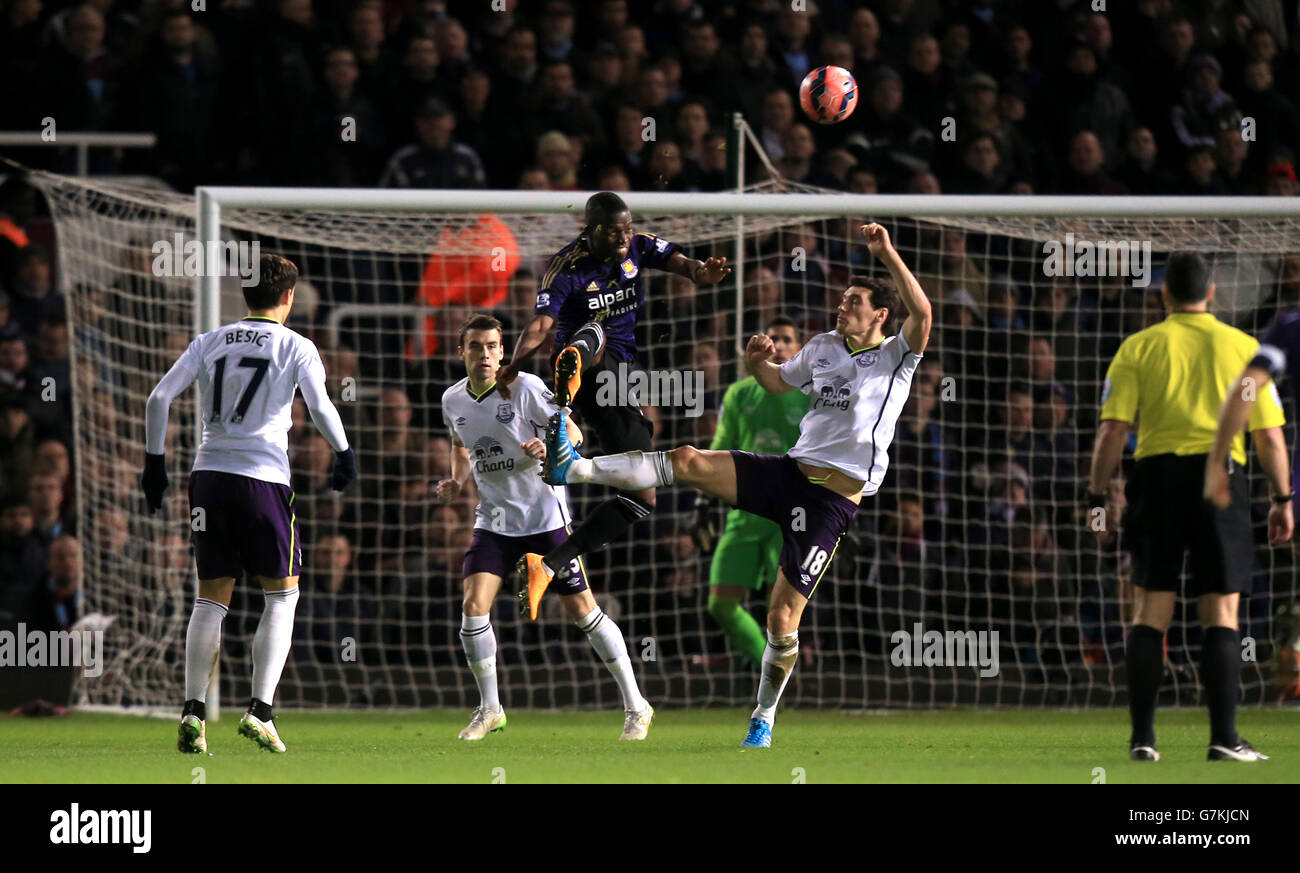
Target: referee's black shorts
[1168,516]
[619,428]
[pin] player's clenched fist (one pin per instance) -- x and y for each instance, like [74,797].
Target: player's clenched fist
[447,491]
[534,448]
[877,238]
[760,349]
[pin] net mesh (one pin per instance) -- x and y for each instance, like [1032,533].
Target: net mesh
[978,527]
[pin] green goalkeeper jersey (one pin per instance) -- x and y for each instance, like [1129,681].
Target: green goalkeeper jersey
[753,420]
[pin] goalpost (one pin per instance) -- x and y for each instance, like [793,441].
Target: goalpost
[386,279]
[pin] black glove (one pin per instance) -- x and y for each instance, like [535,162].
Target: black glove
[345,469]
[706,524]
[154,481]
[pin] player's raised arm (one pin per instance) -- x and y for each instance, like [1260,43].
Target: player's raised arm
[916,329]
[153,480]
[709,272]
[311,381]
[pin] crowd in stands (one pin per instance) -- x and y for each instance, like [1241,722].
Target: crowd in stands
[980,519]
[977,96]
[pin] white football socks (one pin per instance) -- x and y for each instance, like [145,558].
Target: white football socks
[607,640]
[630,471]
[480,645]
[272,642]
[202,639]
[778,663]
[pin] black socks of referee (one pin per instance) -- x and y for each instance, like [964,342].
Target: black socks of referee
[1144,658]
[606,523]
[1221,673]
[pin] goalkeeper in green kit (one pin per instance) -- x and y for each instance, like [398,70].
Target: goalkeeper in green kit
[752,420]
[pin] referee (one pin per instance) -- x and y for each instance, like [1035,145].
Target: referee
[1172,378]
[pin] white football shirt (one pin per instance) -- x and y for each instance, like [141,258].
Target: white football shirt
[248,372]
[514,501]
[857,398]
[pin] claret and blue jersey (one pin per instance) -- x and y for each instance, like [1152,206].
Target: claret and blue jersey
[578,287]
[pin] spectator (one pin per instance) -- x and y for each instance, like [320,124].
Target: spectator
[366,38]
[630,148]
[49,516]
[604,79]
[797,162]
[556,155]
[1141,173]
[22,556]
[668,172]
[351,141]
[173,93]
[1231,152]
[713,163]
[692,126]
[757,74]
[1087,173]
[435,160]
[791,48]
[1280,180]
[1092,104]
[1277,121]
[1201,176]
[1204,107]
[864,41]
[927,83]
[981,171]
[79,83]
[558,106]
[31,295]
[892,142]
[59,602]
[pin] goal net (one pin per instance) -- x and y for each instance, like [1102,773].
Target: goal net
[978,529]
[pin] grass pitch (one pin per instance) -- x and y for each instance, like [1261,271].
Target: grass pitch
[684,746]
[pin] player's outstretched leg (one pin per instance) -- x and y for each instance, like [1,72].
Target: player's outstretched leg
[779,658]
[607,639]
[480,644]
[202,640]
[271,646]
[712,472]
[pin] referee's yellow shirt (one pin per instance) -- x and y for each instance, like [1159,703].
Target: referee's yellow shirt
[1177,374]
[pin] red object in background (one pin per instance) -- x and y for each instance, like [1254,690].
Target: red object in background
[481,281]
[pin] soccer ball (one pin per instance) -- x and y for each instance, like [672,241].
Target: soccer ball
[828,94]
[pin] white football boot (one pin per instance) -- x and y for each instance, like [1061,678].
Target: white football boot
[637,724]
[484,722]
[191,737]
[261,732]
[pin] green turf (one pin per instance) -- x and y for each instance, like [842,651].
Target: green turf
[684,746]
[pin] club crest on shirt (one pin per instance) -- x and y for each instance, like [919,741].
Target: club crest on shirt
[505,413]
[629,268]
[866,359]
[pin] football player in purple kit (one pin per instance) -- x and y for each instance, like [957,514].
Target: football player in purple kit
[859,379]
[590,294]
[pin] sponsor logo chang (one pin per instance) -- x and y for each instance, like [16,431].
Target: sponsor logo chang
[834,394]
[489,456]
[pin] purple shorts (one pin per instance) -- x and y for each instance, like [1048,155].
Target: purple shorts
[771,486]
[248,524]
[491,552]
